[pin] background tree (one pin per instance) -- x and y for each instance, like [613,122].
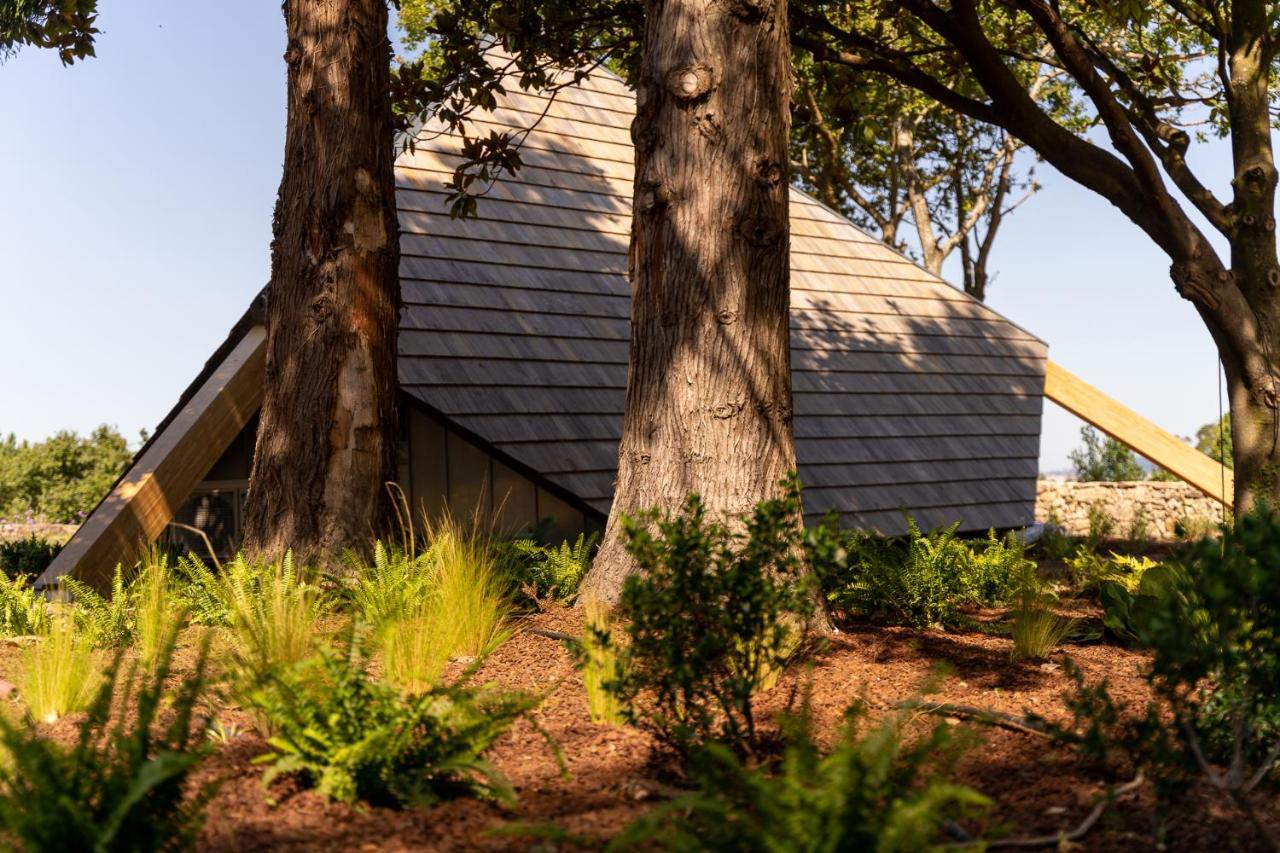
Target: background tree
[67,26]
[1104,460]
[1214,439]
[61,478]
[1157,76]
[327,433]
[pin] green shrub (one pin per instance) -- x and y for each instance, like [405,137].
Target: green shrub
[1193,528]
[1104,459]
[1101,524]
[709,615]
[120,787]
[272,615]
[61,477]
[873,792]
[547,572]
[356,739]
[1213,627]
[1054,542]
[29,555]
[923,579]
[23,610]
[201,592]
[58,674]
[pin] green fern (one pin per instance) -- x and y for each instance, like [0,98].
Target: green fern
[108,621]
[23,610]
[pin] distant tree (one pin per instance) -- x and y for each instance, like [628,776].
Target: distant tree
[1214,439]
[61,477]
[66,26]
[1104,459]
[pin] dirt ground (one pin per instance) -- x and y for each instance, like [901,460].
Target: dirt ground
[1038,788]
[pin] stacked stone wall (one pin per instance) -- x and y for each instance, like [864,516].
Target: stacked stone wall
[1162,504]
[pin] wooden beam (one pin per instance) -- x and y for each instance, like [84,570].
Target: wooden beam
[1141,435]
[144,501]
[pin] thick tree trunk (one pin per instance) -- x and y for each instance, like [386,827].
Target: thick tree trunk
[708,405]
[326,439]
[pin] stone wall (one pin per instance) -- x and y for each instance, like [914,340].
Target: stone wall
[22,529]
[1162,503]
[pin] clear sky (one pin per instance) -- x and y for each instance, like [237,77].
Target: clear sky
[136,193]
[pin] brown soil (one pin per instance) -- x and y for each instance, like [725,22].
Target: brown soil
[1038,788]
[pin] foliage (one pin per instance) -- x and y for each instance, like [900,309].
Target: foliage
[1104,460]
[107,621]
[924,579]
[1101,524]
[23,610]
[709,615]
[58,674]
[29,555]
[1127,605]
[417,646]
[469,585]
[354,738]
[271,614]
[66,26]
[1037,629]
[1214,439]
[61,478]
[1089,570]
[603,664]
[1139,526]
[875,791]
[120,787]
[202,592]
[551,571]
[1192,528]
[1213,628]
[1054,542]
[384,591]
[156,608]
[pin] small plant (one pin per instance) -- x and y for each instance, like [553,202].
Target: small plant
[1139,527]
[356,739]
[156,609]
[272,613]
[108,621]
[874,791]
[602,664]
[58,675]
[23,610]
[551,572]
[386,590]
[1193,528]
[1037,629]
[709,615]
[29,555]
[469,586]
[120,787]
[417,645]
[1101,524]
[202,592]
[996,566]
[1054,542]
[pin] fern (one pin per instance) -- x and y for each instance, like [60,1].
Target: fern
[108,622]
[23,610]
[201,593]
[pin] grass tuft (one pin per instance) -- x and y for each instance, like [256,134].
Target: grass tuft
[58,674]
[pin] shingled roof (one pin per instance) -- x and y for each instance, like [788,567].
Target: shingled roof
[909,395]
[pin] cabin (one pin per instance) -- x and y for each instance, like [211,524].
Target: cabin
[910,397]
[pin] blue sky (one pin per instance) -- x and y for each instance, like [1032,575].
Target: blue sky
[136,192]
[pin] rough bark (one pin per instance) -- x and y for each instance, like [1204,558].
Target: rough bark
[708,405]
[326,440]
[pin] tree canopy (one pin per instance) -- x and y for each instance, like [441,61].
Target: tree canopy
[67,26]
[61,478]
[1103,459]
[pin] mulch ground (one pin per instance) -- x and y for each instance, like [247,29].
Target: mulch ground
[1038,788]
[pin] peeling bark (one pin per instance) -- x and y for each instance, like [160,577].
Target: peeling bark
[326,439]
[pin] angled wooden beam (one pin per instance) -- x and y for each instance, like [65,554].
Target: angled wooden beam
[172,464]
[1139,434]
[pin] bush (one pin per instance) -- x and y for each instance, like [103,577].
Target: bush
[872,792]
[23,610]
[546,572]
[356,739]
[58,675]
[924,579]
[29,555]
[61,477]
[1101,524]
[710,615]
[119,788]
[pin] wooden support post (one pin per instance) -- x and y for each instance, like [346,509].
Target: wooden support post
[144,501]
[1141,435]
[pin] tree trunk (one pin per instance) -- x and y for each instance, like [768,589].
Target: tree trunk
[326,439]
[708,405]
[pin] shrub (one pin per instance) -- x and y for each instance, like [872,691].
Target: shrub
[1213,628]
[709,615]
[118,788]
[1104,459]
[60,477]
[924,579]
[602,664]
[1101,524]
[1037,629]
[356,739]
[872,792]
[29,555]
[58,675]
[550,572]
[1140,526]
[469,586]
[23,610]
